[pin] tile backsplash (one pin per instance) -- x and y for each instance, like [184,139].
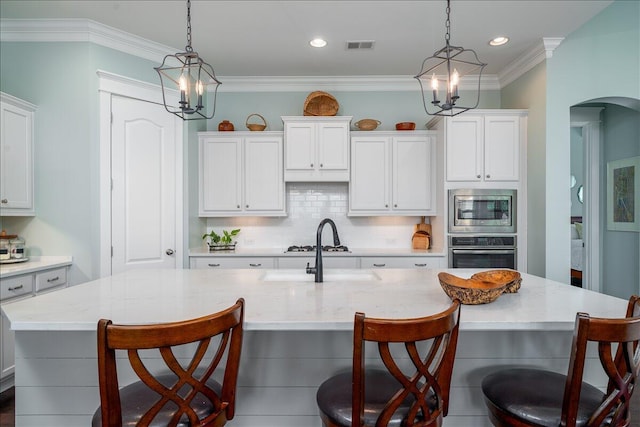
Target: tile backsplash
[307,205]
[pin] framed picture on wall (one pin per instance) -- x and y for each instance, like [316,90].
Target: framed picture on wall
[623,194]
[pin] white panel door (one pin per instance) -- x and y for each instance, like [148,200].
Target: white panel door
[144,209]
[263,172]
[464,148]
[502,148]
[333,146]
[369,186]
[412,184]
[300,149]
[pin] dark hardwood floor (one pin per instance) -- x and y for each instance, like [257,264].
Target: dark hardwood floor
[7,409]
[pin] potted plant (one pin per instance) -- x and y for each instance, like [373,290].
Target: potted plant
[222,242]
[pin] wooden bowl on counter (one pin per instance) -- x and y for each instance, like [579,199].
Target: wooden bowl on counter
[470,291]
[405,126]
[511,278]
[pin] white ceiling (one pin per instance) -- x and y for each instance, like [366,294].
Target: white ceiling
[270,38]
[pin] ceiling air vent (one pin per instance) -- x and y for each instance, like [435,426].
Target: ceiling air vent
[360,44]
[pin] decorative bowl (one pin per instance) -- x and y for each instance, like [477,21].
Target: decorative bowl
[367,124]
[511,278]
[405,126]
[470,291]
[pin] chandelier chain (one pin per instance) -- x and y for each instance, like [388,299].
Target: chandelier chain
[188,48]
[447,36]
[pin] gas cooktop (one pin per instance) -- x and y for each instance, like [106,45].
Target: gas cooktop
[309,248]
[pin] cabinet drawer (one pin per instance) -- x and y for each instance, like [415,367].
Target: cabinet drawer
[15,286]
[401,262]
[327,262]
[240,262]
[51,279]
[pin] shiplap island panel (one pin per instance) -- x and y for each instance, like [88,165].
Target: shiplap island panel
[298,334]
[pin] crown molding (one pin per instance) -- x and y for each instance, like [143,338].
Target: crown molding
[81,30]
[337,83]
[86,30]
[526,62]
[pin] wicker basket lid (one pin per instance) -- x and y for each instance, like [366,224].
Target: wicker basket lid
[320,103]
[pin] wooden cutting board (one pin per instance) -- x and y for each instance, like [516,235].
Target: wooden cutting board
[421,238]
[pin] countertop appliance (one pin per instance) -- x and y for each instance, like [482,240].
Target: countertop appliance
[491,251]
[479,210]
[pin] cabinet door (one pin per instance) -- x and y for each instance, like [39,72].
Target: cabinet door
[16,157]
[464,148]
[413,174]
[501,148]
[7,353]
[369,186]
[300,146]
[220,175]
[333,146]
[264,182]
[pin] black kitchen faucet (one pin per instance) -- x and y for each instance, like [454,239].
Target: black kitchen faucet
[317,270]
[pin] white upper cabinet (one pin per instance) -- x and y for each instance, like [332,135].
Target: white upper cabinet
[16,157]
[316,148]
[240,174]
[483,147]
[392,173]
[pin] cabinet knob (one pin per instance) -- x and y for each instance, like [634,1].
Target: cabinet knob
[238,206]
[53,279]
[395,206]
[5,201]
[488,176]
[379,265]
[477,176]
[386,206]
[15,288]
[255,265]
[420,265]
[311,164]
[213,265]
[321,165]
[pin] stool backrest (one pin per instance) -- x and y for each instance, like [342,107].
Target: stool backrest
[223,329]
[431,378]
[619,353]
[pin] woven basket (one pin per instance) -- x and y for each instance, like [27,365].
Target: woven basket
[256,127]
[320,103]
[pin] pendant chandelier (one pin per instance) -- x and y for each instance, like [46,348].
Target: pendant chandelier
[441,74]
[193,77]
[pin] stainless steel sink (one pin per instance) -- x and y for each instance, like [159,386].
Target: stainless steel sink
[330,275]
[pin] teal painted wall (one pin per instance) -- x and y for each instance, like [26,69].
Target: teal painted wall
[60,79]
[600,59]
[529,92]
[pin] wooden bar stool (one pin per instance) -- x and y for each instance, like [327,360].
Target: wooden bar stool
[535,397]
[184,393]
[378,397]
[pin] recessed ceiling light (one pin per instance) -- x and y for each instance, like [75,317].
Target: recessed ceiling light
[318,42]
[499,41]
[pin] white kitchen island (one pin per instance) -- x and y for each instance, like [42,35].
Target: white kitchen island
[297,334]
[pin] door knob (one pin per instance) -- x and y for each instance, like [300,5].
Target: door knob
[169,251]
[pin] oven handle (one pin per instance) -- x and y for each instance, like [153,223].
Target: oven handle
[483,251]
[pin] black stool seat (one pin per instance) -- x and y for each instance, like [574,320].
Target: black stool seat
[334,398]
[540,402]
[137,398]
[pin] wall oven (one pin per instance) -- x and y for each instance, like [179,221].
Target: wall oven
[482,211]
[493,251]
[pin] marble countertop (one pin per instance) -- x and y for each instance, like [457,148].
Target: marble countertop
[354,252]
[153,296]
[33,264]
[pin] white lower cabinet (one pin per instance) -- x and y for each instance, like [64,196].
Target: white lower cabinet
[393,173]
[241,174]
[16,288]
[327,262]
[232,262]
[401,262]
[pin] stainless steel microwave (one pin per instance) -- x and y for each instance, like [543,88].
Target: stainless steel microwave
[482,210]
